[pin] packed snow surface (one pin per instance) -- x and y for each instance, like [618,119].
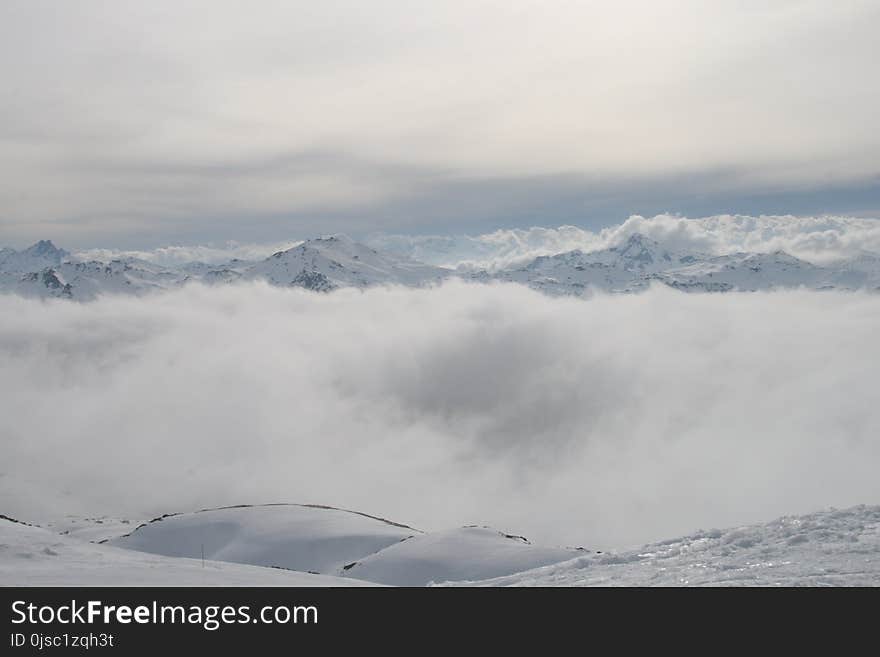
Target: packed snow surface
[33,556]
[464,553]
[310,539]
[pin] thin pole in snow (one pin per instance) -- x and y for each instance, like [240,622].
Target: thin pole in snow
[203,555]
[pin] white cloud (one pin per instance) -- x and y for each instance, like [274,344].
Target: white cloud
[602,422]
[815,239]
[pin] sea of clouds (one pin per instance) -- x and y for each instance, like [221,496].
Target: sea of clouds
[601,423]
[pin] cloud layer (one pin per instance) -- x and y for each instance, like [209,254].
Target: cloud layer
[602,423]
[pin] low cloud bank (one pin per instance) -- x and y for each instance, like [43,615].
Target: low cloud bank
[816,239]
[600,423]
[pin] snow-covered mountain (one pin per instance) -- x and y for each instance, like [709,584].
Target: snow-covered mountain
[84,281]
[747,272]
[624,268]
[321,264]
[338,261]
[329,263]
[640,261]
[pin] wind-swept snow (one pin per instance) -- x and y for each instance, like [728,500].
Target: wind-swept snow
[828,548]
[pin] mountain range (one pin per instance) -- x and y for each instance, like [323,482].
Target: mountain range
[328,263]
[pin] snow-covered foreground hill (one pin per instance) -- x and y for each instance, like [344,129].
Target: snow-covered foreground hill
[827,548]
[306,538]
[338,542]
[33,556]
[463,553]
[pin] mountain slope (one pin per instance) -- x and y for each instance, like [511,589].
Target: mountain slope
[84,281]
[640,262]
[747,272]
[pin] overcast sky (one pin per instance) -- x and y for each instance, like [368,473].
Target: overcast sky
[133,124]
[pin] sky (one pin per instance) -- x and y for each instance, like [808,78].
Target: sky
[135,125]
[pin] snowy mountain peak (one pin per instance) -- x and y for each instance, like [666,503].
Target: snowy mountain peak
[637,240]
[640,249]
[333,261]
[336,239]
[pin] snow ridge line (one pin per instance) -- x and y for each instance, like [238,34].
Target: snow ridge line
[251,506]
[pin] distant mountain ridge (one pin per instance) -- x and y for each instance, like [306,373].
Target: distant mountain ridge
[332,262]
[39,256]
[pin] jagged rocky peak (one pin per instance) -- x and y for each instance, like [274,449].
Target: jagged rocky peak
[50,280]
[45,248]
[337,238]
[641,249]
[313,280]
[32,259]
